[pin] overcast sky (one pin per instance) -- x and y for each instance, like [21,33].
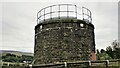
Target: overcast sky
[19,20]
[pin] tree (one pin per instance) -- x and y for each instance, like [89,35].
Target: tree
[114,50]
[14,58]
[102,50]
[109,51]
[98,55]
[102,55]
[98,51]
[115,44]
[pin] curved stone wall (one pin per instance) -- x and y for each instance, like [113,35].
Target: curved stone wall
[63,41]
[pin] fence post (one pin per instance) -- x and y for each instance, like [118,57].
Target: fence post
[30,65]
[89,63]
[8,64]
[65,64]
[107,63]
[118,63]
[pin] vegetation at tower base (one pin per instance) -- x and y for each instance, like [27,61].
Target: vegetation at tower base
[111,52]
[102,55]
[63,40]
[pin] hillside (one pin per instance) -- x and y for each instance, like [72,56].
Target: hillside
[16,56]
[18,53]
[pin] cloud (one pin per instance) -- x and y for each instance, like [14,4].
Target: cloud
[119,21]
[60,1]
[19,20]
[106,23]
[0,24]
[18,27]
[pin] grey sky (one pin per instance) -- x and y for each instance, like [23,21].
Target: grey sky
[119,21]
[19,20]
[0,25]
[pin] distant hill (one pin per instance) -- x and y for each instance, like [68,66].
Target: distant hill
[18,53]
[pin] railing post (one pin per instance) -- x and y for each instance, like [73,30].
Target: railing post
[44,14]
[83,12]
[76,11]
[59,11]
[37,17]
[67,11]
[50,12]
[90,17]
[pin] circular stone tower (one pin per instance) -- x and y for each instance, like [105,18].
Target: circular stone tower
[64,33]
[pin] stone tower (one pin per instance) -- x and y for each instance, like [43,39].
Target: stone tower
[64,33]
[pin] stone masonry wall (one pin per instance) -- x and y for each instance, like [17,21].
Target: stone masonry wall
[61,41]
